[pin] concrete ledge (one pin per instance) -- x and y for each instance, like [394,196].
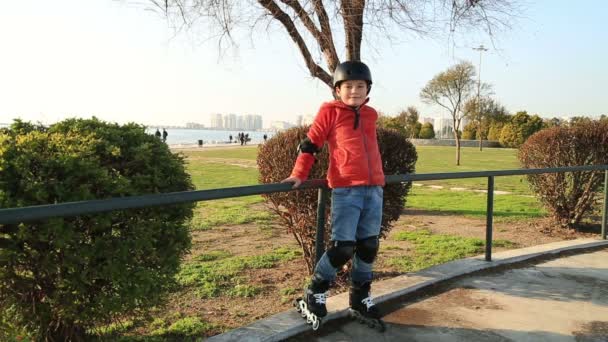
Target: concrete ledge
[289,323]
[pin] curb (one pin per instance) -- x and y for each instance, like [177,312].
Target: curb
[289,323]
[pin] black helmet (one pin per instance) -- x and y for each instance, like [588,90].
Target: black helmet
[352,70]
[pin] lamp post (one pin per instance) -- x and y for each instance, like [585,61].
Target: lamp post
[481,49]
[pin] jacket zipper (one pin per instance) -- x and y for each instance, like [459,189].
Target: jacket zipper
[369,166]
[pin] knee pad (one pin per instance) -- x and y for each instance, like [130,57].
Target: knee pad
[367,249]
[340,252]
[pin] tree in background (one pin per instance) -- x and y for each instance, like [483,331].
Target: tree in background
[494,131]
[480,111]
[427,131]
[553,122]
[450,89]
[391,122]
[521,127]
[578,120]
[410,119]
[469,132]
[405,122]
[314,26]
[497,119]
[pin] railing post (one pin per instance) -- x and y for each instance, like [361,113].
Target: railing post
[605,212]
[319,241]
[489,218]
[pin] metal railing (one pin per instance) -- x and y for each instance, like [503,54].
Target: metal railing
[41,212]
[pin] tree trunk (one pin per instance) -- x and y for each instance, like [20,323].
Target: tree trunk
[352,13]
[457,150]
[480,135]
[457,140]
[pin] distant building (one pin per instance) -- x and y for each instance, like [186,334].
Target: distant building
[249,122]
[252,122]
[230,121]
[216,121]
[192,125]
[427,120]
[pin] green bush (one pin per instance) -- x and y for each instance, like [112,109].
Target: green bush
[298,209]
[64,276]
[427,131]
[568,196]
[495,130]
[522,126]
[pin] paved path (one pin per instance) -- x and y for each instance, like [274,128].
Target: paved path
[552,292]
[564,299]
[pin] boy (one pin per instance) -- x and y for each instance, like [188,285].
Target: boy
[356,178]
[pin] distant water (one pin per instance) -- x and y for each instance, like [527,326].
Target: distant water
[211,137]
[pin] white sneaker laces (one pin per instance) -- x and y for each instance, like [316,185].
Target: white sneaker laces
[320,298]
[368,302]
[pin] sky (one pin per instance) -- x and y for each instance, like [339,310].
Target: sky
[122,63]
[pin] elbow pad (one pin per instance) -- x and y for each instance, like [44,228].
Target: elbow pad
[307,146]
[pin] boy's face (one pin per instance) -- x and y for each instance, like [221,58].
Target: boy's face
[352,93]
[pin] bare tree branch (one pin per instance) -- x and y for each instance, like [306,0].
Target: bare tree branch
[323,38]
[283,18]
[326,22]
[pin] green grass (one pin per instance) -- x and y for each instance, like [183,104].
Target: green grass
[231,211]
[218,273]
[434,249]
[114,328]
[473,204]
[245,152]
[208,175]
[433,159]
[212,175]
[187,326]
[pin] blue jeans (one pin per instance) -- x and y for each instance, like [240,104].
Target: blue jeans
[356,214]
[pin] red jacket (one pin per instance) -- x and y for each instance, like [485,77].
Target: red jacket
[354,156]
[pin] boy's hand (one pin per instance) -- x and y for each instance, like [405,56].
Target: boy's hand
[295,180]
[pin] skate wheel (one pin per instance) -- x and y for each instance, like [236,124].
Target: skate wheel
[316,323]
[297,306]
[381,326]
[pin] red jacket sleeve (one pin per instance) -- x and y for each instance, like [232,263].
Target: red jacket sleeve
[317,134]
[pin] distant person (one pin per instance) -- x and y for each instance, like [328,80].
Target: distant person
[230,138]
[157,134]
[265,137]
[165,134]
[242,138]
[246,138]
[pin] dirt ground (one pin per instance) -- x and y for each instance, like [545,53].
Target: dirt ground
[228,313]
